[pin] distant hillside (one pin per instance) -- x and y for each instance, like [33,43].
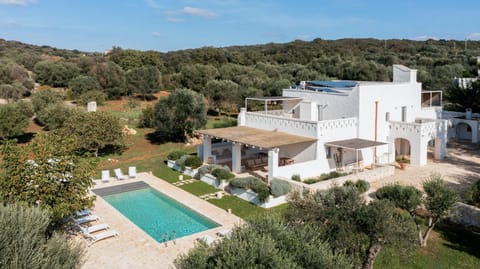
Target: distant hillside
[225,76]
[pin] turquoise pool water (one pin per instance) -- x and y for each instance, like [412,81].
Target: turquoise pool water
[159,215]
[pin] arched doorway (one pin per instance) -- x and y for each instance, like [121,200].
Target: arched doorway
[402,149]
[463,131]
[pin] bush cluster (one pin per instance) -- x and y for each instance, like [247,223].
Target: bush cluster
[279,187]
[254,184]
[473,195]
[361,185]
[296,178]
[188,160]
[193,161]
[222,173]
[176,154]
[208,169]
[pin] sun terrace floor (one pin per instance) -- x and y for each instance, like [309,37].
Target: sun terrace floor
[136,249]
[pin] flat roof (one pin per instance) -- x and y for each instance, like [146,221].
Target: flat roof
[256,137]
[274,98]
[355,144]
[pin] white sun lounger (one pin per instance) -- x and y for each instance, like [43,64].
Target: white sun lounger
[132,172]
[83,213]
[86,219]
[97,237]
[118,174]
[207,239]
[93,228]
[224,233]
[105,175]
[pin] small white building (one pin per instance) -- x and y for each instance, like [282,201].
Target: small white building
[323,126]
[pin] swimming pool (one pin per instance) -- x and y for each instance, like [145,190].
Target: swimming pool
[160,216]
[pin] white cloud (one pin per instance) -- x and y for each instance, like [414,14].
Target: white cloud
[199,12]
[151,3]
[17,2]
[473,36]
[156,34]
[425,37]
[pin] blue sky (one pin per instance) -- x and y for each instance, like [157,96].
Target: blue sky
[167,25]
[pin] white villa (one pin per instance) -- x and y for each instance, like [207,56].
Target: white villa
[323,126]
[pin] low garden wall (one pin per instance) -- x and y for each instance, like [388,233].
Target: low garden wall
[252,197]
[466,215]
[368,175]
[212,181]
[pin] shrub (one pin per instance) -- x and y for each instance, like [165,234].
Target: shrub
[311,180]
[147,119]
[193,161]
[222,174]
[94,95]
[473,195]
[242,182]
[176,154]
[261,189]
[279,187]
[296,177]
[207,169]
[361,185]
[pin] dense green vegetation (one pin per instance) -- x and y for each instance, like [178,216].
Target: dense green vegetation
[226,75]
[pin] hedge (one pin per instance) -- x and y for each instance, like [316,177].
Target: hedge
[176,154]
[279,187]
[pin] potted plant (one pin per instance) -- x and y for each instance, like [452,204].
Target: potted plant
[402,160]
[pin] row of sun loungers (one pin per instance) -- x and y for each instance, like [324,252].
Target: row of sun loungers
[132,173]
[93,233]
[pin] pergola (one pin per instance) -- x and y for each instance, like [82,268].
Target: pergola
[355,144]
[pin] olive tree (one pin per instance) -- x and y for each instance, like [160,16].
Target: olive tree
[267,242]
[438,200]
[94,130]
[144,80]
[82,84]
[25,242]
[352,225]
[180,113]
[14,119]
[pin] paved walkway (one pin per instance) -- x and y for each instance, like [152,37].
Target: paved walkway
[460,169]
[136,249]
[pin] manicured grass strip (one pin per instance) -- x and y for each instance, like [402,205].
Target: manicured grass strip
[198,188]
[166,173]
[239,207]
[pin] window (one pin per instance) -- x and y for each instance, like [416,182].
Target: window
[329,152]
[387,116]
[404,113]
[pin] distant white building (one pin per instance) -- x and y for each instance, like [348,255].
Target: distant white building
[323,126]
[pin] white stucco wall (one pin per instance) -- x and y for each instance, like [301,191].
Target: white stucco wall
[336,106]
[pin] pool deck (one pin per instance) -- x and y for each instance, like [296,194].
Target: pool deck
[134,248]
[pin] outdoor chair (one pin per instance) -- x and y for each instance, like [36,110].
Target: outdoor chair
[86,219]
[132,172]
[119,174]
[224,233]
[97,237]
[93,228]
[207,239]
[105,175]
[83,213]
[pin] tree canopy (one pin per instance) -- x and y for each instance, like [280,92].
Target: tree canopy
[47,173]
[94,130]
[180,113]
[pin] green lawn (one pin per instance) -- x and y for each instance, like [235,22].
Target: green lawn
[242,208]
[198,188]
[220,121]
[449,246]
